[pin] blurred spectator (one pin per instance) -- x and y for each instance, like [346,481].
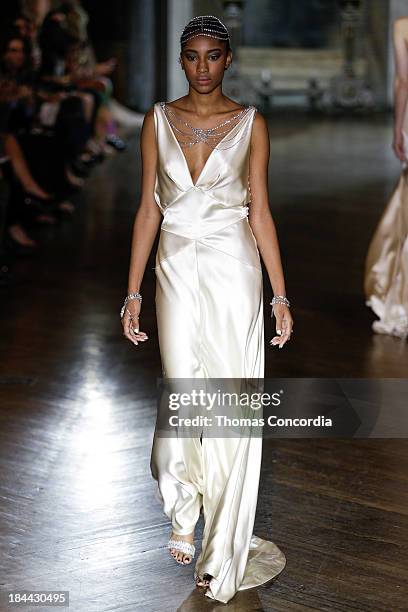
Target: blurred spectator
[16,111]
[29,22]
[56,117]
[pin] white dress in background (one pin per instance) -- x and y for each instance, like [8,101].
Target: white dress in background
[386,266]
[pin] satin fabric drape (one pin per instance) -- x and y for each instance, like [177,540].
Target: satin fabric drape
[386,265]
[209,306]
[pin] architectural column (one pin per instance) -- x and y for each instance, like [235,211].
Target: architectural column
[141,55]
[376,46]
[397,8]
[179,12]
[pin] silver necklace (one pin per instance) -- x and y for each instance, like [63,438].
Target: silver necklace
[207,135]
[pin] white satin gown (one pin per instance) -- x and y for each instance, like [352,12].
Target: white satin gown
[386,265]
[209,305]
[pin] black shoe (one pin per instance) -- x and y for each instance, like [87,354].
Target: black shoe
[80,169]
[116,143]
[99,157]
[89,160]
[63,214]
[7,277]
[37,204]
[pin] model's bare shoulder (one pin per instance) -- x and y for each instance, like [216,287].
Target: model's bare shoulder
[259,128]
[259,144]
[148,128]
[149,116]
[149,157]
[148,143]
[259,119]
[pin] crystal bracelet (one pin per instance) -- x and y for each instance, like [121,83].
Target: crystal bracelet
[279,299]
[131,296]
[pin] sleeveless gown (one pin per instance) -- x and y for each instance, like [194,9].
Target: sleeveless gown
[209,308]
[386,265]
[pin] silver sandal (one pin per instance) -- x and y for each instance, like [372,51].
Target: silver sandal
[184,547]
[205,579]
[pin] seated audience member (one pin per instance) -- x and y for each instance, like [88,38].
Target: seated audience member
[16,107]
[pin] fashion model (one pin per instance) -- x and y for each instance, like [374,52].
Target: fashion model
[204,177]
[386,267]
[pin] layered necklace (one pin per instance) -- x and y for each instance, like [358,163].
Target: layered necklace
[211,136]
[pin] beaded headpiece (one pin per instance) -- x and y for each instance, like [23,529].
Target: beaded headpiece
[205,25]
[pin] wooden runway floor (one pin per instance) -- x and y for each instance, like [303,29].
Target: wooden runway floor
[78,510]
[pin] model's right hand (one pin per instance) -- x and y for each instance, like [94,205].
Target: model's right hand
[130,323]
[398,146]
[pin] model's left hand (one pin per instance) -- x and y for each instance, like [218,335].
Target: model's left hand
[284,325]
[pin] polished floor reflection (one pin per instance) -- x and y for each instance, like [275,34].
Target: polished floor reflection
[77,401]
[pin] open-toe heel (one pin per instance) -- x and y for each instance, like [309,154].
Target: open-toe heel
[203,582]
[184,547]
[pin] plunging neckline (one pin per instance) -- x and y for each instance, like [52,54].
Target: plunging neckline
[194,184]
